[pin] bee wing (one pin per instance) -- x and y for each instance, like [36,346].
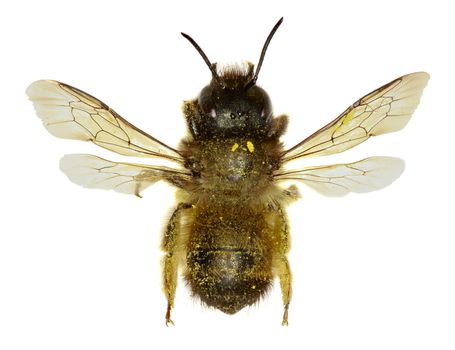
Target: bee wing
[384,110]
[70,113]
[95,172]
[366,175]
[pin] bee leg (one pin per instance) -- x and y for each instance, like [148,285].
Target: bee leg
[284,274]
[171,259]
[280,262]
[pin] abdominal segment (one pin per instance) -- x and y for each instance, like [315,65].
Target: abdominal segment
[228,264]
[227,279]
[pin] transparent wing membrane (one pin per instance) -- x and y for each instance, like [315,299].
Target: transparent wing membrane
[70,113]
[384,110]
[367,175]
[95,172]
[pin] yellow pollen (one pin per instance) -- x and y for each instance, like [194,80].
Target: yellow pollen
[234,147]
[348,118]
[250,146]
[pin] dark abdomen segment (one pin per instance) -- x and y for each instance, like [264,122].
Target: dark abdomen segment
[227,279]
[228,264]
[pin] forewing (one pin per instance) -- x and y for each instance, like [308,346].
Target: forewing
[367,175]
[70,113]
[95,172]
[384,110]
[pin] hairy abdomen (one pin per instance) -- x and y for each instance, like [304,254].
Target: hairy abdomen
[229,258]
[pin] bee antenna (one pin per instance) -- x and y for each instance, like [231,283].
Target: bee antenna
[211,66]
[264,49]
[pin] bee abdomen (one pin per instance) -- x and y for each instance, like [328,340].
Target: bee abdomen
[228,278]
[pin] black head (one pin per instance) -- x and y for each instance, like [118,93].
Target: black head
[232,104]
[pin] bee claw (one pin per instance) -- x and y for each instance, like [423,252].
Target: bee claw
[285,316]
[169,322]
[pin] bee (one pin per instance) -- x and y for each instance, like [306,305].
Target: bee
[229,232]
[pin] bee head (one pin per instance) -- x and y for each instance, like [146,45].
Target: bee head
[230,107]
[232,104]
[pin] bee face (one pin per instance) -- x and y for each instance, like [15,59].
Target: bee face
[229,107]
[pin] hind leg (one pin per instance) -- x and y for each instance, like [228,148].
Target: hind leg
[172,258]
[280,261]
[284,274]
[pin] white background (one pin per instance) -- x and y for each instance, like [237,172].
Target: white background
[80,269]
